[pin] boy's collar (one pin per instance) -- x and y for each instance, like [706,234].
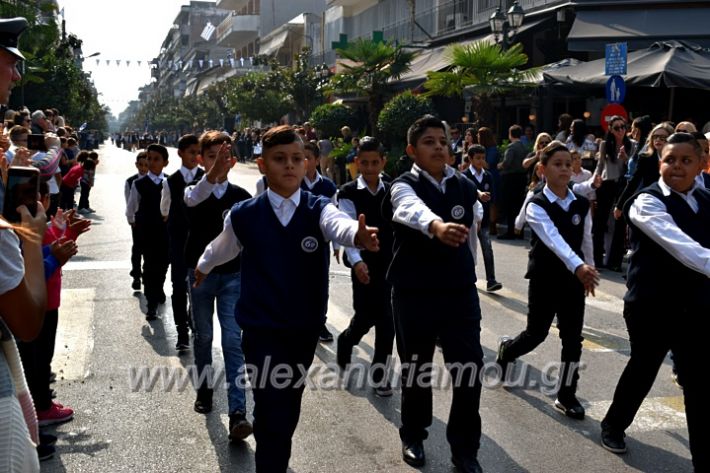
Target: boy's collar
[362,183]
[666,189]
[278,200]
[448,171]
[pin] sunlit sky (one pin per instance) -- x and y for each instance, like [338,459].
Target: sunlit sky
[130,30]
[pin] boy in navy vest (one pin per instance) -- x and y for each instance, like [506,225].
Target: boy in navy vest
[172,207]
[206,203]
[316,184]
[559,277]
[434,213]
[371,292]
[483,180]
[666,304]
[143,212]
[282,236]
[136,252]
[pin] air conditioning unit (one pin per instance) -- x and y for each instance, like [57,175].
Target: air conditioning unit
[455,21]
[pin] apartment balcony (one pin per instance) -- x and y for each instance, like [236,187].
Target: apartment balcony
[235,5]
[237,30]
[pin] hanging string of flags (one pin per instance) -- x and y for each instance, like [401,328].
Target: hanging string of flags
[180,64]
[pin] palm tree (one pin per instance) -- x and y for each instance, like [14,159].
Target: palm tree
[371,66]
[483,70]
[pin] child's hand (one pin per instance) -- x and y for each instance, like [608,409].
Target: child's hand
[63,249]
[484,196]
[79,225]
[617,213]
[4,141]
[199,277]
[452,234]
[589,277]
[597,183]
[366,236]
[362,273]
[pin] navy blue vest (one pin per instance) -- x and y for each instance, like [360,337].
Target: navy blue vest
[284,269]
[206,221]
[324,187]
[656,275]
[371,206]
[420,262]
[542,261]
[149,206]
[486,185]
[706,180]
[177,218]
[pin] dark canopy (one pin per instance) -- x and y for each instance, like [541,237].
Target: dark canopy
[664,64]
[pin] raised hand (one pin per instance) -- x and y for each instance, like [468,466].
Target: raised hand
[63,249]
[452,234]
[366,236]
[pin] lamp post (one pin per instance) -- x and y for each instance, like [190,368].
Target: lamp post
[505,26]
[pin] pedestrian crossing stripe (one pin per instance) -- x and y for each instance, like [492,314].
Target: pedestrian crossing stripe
[75,334]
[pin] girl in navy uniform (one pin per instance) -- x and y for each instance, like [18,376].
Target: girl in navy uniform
[666,304]
[282,236]
[561,272]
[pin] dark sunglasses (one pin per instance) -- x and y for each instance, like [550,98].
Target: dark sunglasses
[544,143]
[659,138]
[619,127]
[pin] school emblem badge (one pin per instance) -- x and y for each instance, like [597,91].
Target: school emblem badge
[486,187]
[457,212]
[576,219]
[309,244]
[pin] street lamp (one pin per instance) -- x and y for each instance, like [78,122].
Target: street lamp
[506,26]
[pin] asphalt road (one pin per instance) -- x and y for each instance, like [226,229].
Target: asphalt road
[104,344]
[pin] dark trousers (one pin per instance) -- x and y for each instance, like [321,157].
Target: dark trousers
[154,242]
[277,406]
[84,197]
[37,360]
[654,329]
[66,199]
[53,204]
[564,299]
[136,254]
[606,196]
[454,317]
[511,198]
[178,278]
[373,308]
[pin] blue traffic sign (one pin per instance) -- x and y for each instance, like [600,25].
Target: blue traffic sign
[615,89]
[615,59]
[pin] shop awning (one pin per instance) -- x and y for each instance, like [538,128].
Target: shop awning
[592,30]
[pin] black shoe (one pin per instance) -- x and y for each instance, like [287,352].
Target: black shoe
[47,439]
[136,286]
[239,427]
[494,286]
[45,452]
[613,440]
[383,390]
[151,314]
[52,377]
[413,453]
[571,407]
[325,335]
[466,464]
[203,403]
[344,351]
[507,236]
[183,342]
[504,365]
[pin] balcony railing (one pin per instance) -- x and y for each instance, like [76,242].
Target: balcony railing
[237,30]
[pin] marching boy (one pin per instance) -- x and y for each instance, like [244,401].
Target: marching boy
[136,252]
[282,236]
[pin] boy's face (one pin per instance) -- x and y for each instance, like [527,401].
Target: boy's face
[558,170]
[679,166]
[209,157]
[142,166]
[478,160]
[431,151]
[284,167]
[576,162]
[370,164]
[189,156]
[156,163]
[311,161]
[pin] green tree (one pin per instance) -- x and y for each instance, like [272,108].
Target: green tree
[399,113]
[260,96]
[330,118]
[484,70]
[370,67]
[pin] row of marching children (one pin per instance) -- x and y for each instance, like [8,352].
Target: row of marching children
[411,246]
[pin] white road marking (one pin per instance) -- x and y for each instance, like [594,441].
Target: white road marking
[96,265]
[75,334]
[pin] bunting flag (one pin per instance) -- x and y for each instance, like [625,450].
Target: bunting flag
[201,63]
[98,61]
[178,64]
[208,31]
[221,62]
[139,63]
[128,63]
[118,62]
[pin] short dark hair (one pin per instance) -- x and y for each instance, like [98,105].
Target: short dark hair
[515,131]
[280,135]
[94,155]
[313,148]
[89,164]
[160,149]
[419,127]
[141,155]
[187,140]
[680,137]
[551,149]
[369,144]
[82,156]
[211,138]
[476,149]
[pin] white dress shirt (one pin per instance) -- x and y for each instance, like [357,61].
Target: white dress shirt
[650,215]
[165,198]
[335,225]
[194,195]
[545,229]
[348,206]
[310,183]
[134,198]
[410,210]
